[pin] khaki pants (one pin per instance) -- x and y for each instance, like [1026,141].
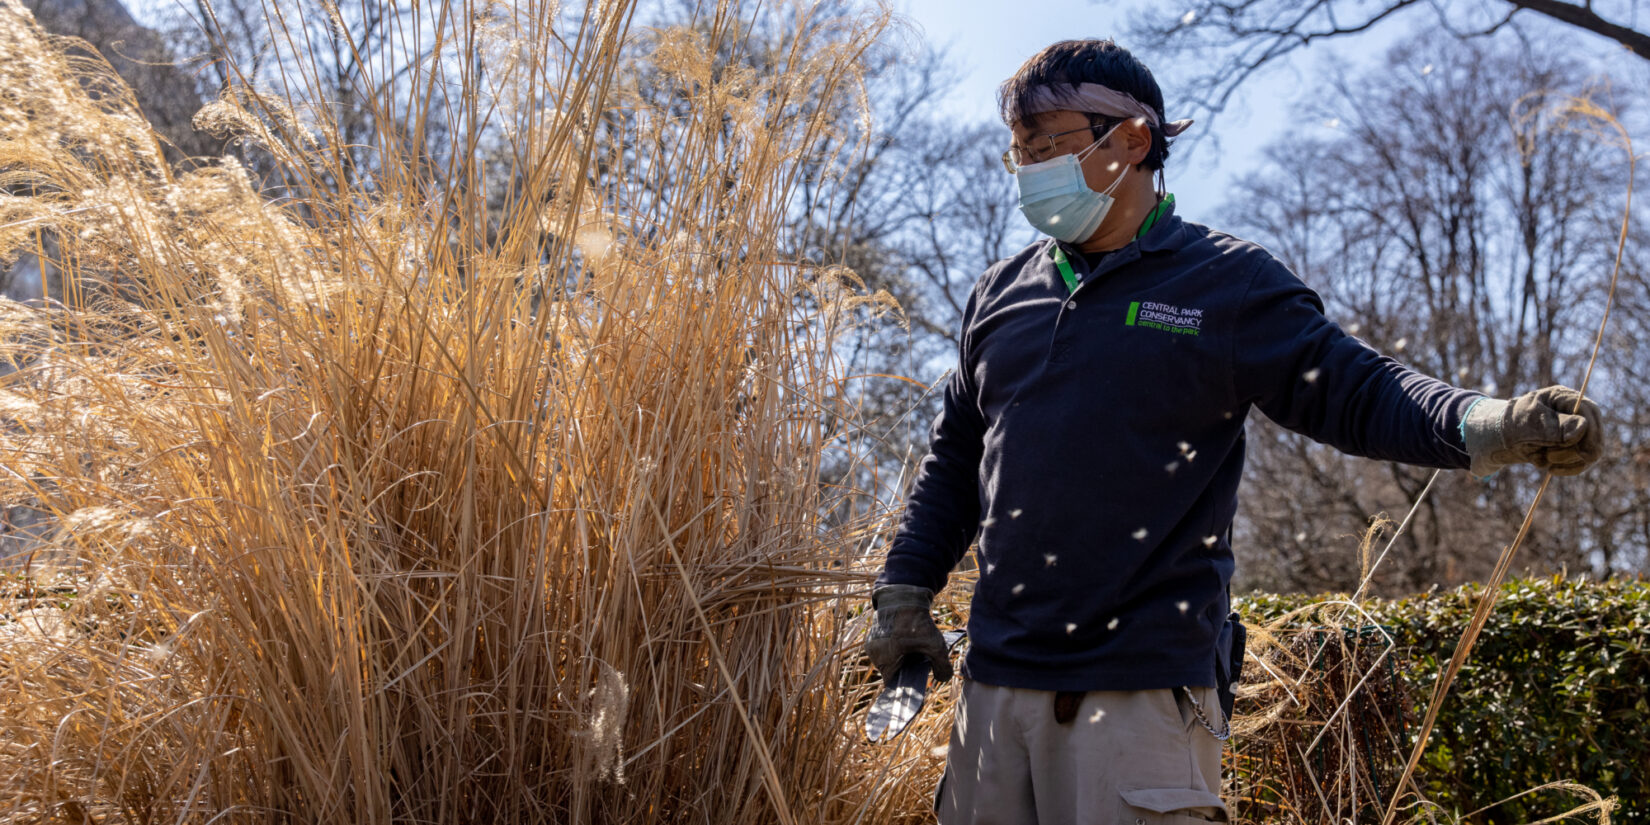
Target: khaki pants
[1128,758]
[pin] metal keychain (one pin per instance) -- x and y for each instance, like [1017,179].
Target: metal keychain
[1197,710]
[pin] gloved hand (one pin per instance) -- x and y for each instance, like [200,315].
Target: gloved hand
[903,626]
[1534,428]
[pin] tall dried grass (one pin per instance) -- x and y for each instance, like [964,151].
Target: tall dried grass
[464,490]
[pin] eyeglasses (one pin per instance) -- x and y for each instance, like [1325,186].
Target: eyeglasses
[1016,156]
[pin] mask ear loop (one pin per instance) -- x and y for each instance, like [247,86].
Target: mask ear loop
[1084,155]
[1162,179]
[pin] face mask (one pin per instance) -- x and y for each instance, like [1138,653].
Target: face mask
[1056,199]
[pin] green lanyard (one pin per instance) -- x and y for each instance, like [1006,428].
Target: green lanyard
[1064,263]
[1065,269]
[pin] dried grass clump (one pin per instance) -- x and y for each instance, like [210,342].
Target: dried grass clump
[1323,732]
[404,499]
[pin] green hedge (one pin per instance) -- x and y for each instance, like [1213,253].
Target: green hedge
[1557,687]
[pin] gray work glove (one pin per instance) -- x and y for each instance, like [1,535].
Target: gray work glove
[1534,428]
[903,626]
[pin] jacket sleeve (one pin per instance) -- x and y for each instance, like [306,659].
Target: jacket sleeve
[942,513]
[1310,376]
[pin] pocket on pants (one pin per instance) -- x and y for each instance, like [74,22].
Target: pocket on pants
[1188,717]
[1171,806]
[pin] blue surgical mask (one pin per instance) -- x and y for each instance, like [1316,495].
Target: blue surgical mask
[1056,199]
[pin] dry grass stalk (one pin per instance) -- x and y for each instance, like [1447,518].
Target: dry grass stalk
[442,502]
[1322,735]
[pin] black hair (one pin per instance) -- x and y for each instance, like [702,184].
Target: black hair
[1071,62]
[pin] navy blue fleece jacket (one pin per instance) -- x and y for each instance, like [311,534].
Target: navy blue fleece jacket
[1091,442]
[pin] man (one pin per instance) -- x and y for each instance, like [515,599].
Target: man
[1091,443]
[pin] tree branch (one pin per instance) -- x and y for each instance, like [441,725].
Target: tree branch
[1583,17]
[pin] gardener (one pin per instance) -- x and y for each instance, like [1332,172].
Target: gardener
[1091,443]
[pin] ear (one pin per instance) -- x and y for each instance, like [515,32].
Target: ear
[1136,137]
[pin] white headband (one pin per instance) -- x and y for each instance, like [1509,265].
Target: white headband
[1095,98]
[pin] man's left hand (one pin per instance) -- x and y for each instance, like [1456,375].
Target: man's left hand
[903,626]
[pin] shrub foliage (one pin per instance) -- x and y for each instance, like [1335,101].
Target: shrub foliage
[1557,688]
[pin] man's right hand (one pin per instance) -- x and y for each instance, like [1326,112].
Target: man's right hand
[903,626]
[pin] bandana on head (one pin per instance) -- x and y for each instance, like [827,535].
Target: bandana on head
[1096,99]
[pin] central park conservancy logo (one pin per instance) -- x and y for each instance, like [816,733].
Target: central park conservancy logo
[1166,317]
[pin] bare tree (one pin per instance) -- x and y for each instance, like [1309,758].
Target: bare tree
[168,95]
[1245,37]
[926,208]
[915,204]
[1475,244]
[939,211]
